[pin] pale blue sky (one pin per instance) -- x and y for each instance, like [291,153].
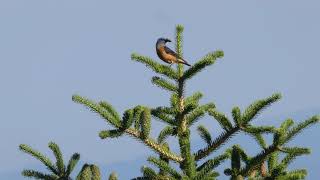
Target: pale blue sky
[50,50]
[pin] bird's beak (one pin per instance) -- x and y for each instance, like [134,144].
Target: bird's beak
[168,40]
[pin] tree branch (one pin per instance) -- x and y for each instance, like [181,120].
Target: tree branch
[154,146]
[258,159]
[215,144]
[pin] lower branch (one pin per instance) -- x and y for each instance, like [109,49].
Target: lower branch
[215,144]
[155,146]
[256,161]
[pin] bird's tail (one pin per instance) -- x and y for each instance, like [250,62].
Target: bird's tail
[184,62]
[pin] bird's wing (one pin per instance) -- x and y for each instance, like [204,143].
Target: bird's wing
[169,51]
[179,59]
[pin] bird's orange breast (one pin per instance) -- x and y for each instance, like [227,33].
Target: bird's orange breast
[165,56]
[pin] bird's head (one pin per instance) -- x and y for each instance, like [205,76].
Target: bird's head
[167,40]
[163,40]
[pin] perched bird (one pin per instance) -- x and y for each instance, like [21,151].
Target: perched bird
[166,54]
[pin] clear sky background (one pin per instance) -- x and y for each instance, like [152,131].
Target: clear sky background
[50,50]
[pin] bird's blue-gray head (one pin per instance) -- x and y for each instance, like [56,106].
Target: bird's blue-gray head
[162,41]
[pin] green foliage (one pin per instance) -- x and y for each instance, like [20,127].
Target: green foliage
[178,116]
[95,171]
[236,114]
[194,98]
[158,68]
[164,166]
[38,175]
[108,107]
[148,172]
[257,107]
[110,133]
[113,176]
[137,116]
[164,84]
[127,119]
[301,126]
[57,153]
[208,60]
[179,44]
[166,132]
[85,173]
[72,163]
[278,169]
[198,112]
[221,118]
[109,116]
[145,123]
[286,132]
[164,114]
[260,140]
[206,169]
[204,134]
[216,143]
[89,172]
[259,129]
[58,171]
[46,161]
[179,39]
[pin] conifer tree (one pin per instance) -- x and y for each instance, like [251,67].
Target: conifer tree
[58,170]
[182,113]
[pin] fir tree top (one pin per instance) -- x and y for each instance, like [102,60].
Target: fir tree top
[178,116]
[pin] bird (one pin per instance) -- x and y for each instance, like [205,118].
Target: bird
[168,55]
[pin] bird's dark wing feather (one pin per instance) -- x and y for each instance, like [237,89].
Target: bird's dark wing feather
[169,51]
